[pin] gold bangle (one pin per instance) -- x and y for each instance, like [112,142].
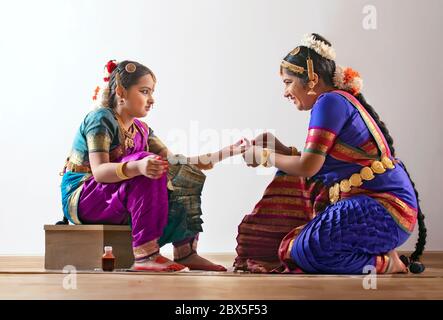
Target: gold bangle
[265,157]
[119,171]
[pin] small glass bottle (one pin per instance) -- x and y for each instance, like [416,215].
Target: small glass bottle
[108,260]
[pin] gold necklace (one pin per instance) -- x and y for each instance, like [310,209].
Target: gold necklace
[127,135]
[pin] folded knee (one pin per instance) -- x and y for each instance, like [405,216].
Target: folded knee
[136,156]
[162,181]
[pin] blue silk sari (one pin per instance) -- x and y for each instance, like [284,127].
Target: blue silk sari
[365,221]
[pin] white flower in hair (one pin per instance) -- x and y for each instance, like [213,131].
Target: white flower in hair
[318,46]
[347,79]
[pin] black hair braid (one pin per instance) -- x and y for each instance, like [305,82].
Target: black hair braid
[111,91]
[380,123]
[414,259]
[422,232]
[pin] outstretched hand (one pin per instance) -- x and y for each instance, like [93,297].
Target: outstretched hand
[252,156]
[251,152]
[235,149]
[240,146]
[265,140]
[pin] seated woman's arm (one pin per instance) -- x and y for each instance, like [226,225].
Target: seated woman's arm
[204,161]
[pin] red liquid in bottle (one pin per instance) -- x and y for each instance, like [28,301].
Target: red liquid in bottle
[108,260]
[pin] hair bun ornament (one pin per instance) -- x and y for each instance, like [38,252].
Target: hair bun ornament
[110,66]
[348,79]
[323,49]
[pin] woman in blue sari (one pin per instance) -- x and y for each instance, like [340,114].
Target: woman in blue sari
[357,194]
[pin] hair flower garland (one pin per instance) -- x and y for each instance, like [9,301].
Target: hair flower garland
[318,46]
[348,79]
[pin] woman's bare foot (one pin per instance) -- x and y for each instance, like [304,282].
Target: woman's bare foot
[196,262]
[395,264]
[158,263]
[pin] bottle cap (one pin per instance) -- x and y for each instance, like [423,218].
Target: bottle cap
[108,249]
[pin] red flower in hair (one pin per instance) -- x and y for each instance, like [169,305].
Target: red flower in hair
[110,66]
[354,91]
[349,75]
[348,79]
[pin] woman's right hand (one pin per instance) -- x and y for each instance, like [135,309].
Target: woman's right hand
[265,140]
[152,166]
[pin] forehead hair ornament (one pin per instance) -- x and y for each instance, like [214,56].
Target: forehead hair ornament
[130,67]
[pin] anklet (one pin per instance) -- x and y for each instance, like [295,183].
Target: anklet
[147,258]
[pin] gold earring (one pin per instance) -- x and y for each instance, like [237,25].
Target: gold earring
[311,86]
[311,77]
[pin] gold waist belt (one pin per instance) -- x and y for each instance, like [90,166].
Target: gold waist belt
[356,180]
[78,168]
[69,166]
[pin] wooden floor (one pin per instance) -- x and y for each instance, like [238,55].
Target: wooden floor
[25,278]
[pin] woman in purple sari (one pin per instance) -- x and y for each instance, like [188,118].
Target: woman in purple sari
[347,198]
[117,173]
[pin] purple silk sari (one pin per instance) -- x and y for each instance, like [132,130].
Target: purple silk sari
[140,200]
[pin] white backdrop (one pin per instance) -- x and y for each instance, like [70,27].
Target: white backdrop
[217,66]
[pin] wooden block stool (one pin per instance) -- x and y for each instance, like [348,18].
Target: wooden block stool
[82,246]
